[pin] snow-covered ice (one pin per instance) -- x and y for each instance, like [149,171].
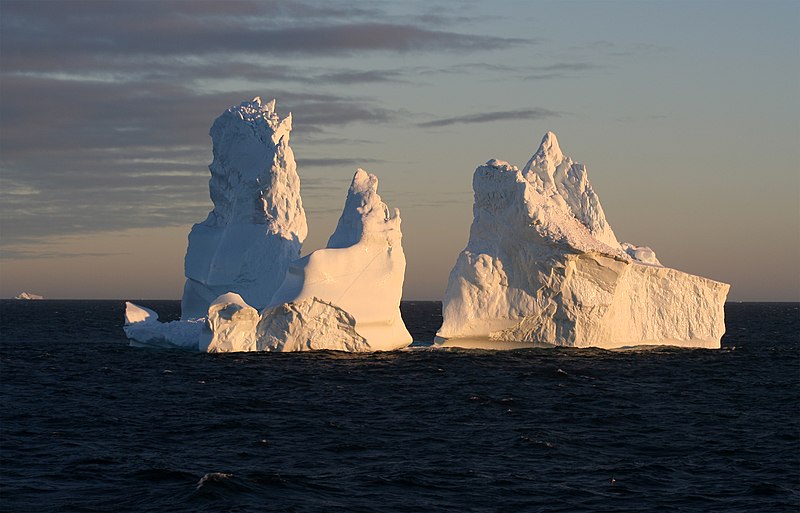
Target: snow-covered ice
[641,254]
[543,267]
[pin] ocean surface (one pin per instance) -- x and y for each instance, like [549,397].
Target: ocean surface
[90,424]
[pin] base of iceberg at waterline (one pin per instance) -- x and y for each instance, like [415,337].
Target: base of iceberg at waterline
[310,324]
[145,330]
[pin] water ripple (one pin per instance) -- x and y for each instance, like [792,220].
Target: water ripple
[90,424]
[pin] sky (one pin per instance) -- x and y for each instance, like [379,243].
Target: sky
[686,113]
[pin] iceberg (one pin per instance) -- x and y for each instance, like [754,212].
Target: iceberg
[28,296]
[144,329]
[543,267]
[345,297]
[247,290]
[258,224]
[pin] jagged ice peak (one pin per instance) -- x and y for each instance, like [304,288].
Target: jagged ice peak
[256,112]
[549,148]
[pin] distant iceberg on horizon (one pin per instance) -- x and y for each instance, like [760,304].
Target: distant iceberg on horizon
[28,296]
[246,287]
[544,268]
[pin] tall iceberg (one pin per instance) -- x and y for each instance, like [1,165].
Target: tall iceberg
[247,290]
[257,225]
[344,297]
[543,267]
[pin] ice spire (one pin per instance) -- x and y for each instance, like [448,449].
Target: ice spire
[258,223]
[567,183]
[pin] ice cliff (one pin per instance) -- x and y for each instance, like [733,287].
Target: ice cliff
[543,267]
[258,224]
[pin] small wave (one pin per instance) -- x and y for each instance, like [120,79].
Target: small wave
[213,477]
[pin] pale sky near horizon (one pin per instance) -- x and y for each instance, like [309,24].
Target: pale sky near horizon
[686,113]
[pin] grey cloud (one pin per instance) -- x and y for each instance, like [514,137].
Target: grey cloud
[317,139]
[488,117]
[120,72]
[96,156]
[121,207]
[546,76]
[105,106]
[101,9]
[526,72]
[341,112]
[616,50]
[19,254]
[356,76]
[47,115]
[262,72]
[559,70]
[566,66]
[91,30]
[467,67]
[335,162]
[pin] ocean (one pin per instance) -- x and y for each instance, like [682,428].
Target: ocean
[90,424]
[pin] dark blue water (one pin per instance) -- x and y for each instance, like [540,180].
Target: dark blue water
[90,424]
